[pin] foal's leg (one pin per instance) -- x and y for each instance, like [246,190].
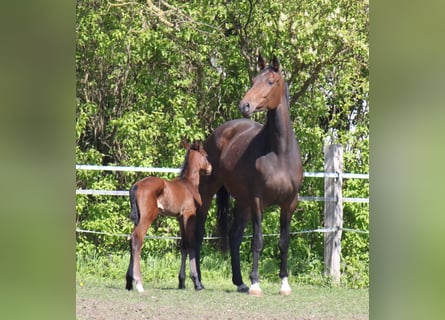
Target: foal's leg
[181,275]
[236,237]
[189,237]
[129,275]
[285,219]
[137,240]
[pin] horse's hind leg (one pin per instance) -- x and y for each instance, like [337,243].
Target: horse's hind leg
[134,269]
[129,275]
[136,241]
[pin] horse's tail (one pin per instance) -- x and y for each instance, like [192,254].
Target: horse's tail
[134,215]
[223,218]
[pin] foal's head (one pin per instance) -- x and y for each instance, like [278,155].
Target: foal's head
[197,157]
[267,89]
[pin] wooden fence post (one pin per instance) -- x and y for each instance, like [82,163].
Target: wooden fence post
[333,210]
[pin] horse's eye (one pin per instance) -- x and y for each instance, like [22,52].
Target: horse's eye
[270,82]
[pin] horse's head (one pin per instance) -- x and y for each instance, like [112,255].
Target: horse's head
[198,157]
[267,90]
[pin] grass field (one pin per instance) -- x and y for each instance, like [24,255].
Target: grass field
[98,298]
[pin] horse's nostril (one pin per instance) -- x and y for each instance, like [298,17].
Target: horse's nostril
[246,107]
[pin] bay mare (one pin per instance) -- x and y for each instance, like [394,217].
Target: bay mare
[258,166]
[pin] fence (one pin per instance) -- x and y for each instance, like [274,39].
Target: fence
[333,209]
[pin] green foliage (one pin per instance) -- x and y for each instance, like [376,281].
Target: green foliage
[150,73]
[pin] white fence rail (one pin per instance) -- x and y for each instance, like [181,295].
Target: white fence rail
[177,170]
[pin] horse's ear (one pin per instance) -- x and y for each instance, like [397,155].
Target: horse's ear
[261,62]
[185,144]
[196,145]
[275,64]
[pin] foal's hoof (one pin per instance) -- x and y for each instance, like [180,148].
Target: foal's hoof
[139,287]
[199,286]
[242,288]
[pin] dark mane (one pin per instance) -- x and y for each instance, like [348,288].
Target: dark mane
[185,164]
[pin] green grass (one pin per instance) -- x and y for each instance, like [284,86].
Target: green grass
[101,295]
[106,299]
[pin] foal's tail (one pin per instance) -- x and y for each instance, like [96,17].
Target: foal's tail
[134,215]
[223,218]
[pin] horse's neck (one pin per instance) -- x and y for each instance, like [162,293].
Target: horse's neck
[279,129]
[191,175]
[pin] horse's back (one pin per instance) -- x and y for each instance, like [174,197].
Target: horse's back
[232,137]
[234,128]
[150,185]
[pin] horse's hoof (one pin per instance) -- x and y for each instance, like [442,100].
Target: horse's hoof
[181,287]
[242,288]
[255,293]
[285,292]
[285,288]
[255,290]
[139,287]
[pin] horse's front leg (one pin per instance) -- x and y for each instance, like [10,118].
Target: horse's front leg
[181,275]
[188,237]
[193,270]
[207,189]
[257,246]
[285,219]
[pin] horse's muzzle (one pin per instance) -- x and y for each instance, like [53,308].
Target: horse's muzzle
[244,108]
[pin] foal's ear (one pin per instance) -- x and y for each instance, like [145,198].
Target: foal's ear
[261,62]
[197,145]
[275,64]
[200,145]
[185,144]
